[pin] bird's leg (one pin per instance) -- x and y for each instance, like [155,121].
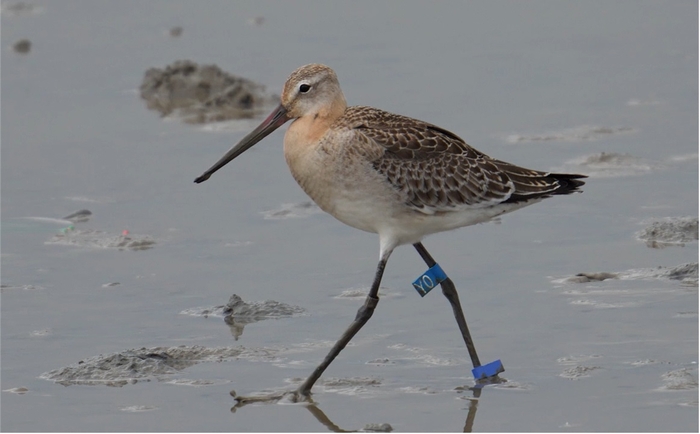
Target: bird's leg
[363,315]
[449,290]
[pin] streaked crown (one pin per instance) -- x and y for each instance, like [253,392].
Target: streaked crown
[311,89]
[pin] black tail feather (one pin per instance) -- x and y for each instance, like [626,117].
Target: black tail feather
[563,183]
[568,183]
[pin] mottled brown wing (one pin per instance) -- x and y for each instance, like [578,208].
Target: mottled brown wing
[433,168]
[437,171]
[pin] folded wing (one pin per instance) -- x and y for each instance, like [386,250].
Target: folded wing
[436,171]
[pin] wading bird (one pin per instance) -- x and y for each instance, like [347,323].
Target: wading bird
[398,177]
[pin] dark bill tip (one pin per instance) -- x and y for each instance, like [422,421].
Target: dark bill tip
[276,119]
[202,178]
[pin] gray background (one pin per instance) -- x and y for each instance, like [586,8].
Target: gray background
[75,134]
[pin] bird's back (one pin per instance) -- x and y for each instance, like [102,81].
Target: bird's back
[434,170]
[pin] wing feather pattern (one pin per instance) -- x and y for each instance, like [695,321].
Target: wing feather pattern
[436,171]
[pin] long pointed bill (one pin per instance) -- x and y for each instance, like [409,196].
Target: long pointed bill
[276,119]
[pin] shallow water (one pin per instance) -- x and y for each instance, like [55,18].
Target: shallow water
[544,85]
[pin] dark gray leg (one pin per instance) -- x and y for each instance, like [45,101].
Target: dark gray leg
[363,315]
[449,290]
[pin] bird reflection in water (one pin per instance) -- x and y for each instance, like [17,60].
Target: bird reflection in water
[324,420]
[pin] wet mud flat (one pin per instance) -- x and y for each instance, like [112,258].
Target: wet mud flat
[161,363]
[118,317]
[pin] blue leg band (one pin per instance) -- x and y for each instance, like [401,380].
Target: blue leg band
[488,370]
[429,280]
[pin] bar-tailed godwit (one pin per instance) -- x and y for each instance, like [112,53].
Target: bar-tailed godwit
[398,177]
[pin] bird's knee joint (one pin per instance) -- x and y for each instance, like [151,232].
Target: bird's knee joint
[366,310]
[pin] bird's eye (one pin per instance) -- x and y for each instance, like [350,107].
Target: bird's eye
[304,88]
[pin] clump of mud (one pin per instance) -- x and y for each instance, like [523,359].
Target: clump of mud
[25,287]
[201,94]
[578,372]
[144,364]
[378,427]
[19,8]
[686,274]
[23,46]
[680,379]
[17,390]
[240,310]
[238,313]
[101,239]
[592,277]
[670,231]
[343,385]
[175,32]
[79,216]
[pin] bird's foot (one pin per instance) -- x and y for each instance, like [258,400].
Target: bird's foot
[495,379]
[293,396]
